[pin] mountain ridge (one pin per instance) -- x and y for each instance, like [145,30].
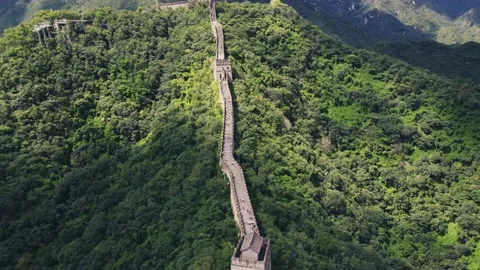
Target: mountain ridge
[440,20]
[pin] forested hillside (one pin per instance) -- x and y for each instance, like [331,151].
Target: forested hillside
[110,147]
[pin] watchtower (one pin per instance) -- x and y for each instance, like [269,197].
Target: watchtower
[253,252]
[223,68]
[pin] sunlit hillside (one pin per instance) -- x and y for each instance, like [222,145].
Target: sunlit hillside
[448,21]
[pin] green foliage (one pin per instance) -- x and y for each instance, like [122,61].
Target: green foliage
[452,235]
[348,115]
[475,260]
[109,147]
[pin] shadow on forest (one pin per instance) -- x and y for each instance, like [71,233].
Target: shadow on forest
[128,4]
[136,200]
[451,62]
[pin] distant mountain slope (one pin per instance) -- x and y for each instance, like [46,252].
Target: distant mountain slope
[377,25]
[446,21]
[12,12]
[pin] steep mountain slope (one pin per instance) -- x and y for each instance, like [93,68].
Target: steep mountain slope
[347,20]
[346,142]
[445,21]
[109,147]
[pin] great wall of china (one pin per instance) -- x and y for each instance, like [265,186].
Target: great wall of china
[253,251]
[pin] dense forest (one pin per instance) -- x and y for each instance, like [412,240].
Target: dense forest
[110,136]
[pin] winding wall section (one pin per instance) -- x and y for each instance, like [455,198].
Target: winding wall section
[253,251]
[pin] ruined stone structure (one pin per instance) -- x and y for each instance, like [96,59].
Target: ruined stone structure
[62,25]
[43,30]
[253,251]
[47,30]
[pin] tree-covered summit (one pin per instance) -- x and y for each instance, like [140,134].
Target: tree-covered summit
[109,147]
